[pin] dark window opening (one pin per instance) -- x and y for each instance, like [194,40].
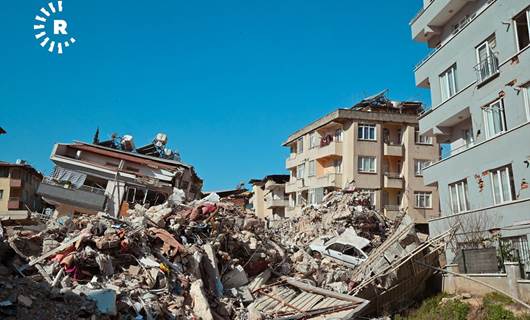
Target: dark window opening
[521,27]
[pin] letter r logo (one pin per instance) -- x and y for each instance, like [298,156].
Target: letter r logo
[59,27]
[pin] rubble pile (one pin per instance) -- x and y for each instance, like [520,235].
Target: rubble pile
[338,211]
[172,261]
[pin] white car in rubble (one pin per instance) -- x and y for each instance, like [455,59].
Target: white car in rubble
[344,249]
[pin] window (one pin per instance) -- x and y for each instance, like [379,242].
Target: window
[421,139]
[419,165]
[337,164]
[522,29]
[502,184]
[487,62]
[458,194]
[1,194]
[526,95]
[448,83]
[300,171]
[366,132]
[4,172]
[339,135]
[312,197]
[366,164]
[313,140]
[423,200]
[312,170]
[300,145]
[494,118]
[298,200]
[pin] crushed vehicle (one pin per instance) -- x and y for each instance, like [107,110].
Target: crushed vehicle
[346,249]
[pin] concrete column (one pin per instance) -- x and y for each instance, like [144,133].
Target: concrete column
[449,282]
[513,274]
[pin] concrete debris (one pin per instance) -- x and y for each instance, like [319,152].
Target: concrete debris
[203,259]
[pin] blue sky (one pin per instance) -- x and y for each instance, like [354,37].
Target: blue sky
[228,81]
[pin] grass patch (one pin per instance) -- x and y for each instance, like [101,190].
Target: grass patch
[433,309]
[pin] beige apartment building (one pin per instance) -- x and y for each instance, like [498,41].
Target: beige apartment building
[373,146]
[18,186]
[268,197]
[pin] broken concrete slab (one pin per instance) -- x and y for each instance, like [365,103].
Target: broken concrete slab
[201,307]
[235,278]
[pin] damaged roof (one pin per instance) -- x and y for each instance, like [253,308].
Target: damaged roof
[377,108]
[278,178]
[21,165]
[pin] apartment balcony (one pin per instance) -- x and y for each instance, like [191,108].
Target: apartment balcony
[270,185]
[84,197]
[332,149]
[15,183]
[330,180]
[276,203]
[393,149]
[14,203]
[434,15]
[293,160]
[294,185]
[487,69]
[393,180]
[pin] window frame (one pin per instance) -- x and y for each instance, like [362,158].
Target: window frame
[418,195]
[361,164]
[300,174]
[511,187]
[300,145]
[337,164]
[489,56]
[313,140]
[339,135]
[418,138]
[526,11]
[445,85]
[361,131]
[459,186]
[312,169]
[419,173]
[526,97]
[486,110]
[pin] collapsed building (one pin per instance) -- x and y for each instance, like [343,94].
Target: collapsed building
[113,175]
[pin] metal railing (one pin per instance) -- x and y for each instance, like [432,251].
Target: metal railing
[487,68]
[51,182]
[393,175]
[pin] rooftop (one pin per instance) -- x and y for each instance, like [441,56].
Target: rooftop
[374,108]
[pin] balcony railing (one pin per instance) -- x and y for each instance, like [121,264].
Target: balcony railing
[50,181]
[461,26]
[83,197]
[393,175]
[487,68]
